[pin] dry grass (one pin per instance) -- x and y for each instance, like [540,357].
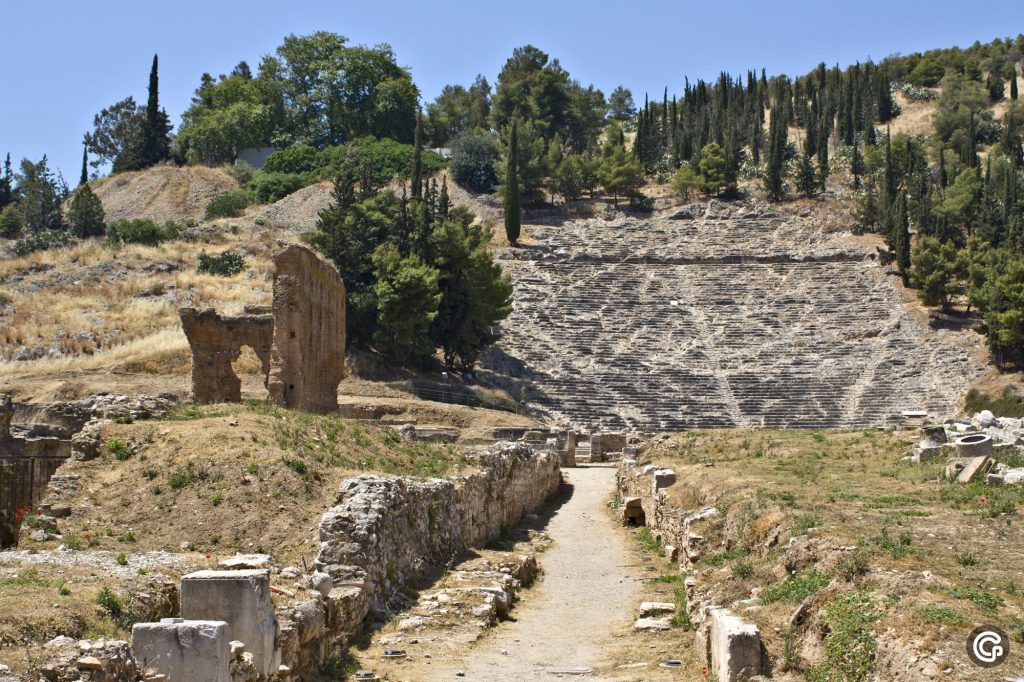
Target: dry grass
[227,478]
[90,307]
[850,487]
[915,118]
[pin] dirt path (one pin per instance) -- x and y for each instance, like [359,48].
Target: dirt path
[589,592]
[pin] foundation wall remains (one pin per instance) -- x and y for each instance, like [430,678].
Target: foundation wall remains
[382,534]
[26,465]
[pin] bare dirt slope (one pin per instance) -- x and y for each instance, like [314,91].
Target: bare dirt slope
[588,594]
[162,193]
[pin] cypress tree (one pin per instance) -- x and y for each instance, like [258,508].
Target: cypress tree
[512,210]
[7,184]
[156,127]
[443,203]
[85,167]
[856,165]
[903,240]
[776,154]
[823,169]
[417,159]
[1013,84]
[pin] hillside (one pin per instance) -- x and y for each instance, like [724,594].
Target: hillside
[162,193]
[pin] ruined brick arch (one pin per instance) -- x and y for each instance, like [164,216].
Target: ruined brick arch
[300,340]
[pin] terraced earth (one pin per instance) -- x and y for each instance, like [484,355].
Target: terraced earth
[715,316]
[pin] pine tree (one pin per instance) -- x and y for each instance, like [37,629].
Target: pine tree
[417,159]
[156,127]
[85,167]
[512,210]
[85,215]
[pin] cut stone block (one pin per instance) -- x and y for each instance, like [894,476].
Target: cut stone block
[184,650]
[656,608]
[663,478]
[653,624]
[241,599]
[975,466]
[735,647]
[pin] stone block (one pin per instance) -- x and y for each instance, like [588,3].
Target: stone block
[240,598]
[652,624]
[975,466]
[735,647]
[663,478]
[184,650]
[1013,476]
[671,553]
[632,511]
[656,608]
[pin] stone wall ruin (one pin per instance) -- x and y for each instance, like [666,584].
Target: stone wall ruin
[308,354]
[300,339]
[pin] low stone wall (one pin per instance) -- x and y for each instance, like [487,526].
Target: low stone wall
[680,531]
[385,532]
[382,534]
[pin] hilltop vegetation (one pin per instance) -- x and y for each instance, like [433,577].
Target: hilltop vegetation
[944,191]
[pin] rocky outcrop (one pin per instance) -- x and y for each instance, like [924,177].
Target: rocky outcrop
[308,353]
[385,532]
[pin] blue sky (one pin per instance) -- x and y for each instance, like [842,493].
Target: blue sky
[64,61]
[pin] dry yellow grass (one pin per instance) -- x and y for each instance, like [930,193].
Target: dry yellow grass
[91,307]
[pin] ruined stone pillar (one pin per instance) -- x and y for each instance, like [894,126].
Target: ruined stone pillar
[308,357]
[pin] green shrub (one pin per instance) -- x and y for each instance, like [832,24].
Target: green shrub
[850,646]
[241,171]
[181,476]
[474,154]
[231,204]
[942,615]
[796,588]
[140,231]
[11,222]
[121,614]
[226,264]
[742,569]
[271,187]
[41,241]
[122,560]
[119,449]
[296,465]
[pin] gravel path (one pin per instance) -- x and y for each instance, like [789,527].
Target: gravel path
[588,593]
